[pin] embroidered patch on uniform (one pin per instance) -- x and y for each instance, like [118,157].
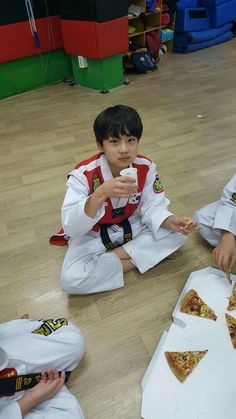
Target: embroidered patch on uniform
[96,181]
[49,326]
[233,197]
[157,185]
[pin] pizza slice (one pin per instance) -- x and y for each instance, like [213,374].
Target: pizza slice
[231,323]
[183,363]
[193,304]
[232,300]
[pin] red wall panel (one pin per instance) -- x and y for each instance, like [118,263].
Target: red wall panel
[95,40]
[16,40]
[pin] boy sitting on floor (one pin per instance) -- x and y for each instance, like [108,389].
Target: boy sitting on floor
[32,352]
[217,225]
[114,223]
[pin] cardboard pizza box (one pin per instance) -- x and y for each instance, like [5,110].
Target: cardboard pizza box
[207,393]
[212,287]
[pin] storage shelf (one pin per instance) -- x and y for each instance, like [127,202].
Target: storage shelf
[153,23]
[148,29]
[146,14]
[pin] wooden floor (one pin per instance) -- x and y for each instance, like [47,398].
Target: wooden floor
[42,135]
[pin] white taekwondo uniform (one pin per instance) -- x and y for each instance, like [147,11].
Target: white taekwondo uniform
[34,347]
[218,216]
[88,267]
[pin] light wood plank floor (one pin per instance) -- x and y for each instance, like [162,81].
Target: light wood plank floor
[42,135]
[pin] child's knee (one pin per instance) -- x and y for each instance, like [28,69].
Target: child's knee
[97,274]
[74,279]
[197,216]
[77,342]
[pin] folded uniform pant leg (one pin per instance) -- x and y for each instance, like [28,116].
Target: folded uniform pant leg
[147,251]
[89,268]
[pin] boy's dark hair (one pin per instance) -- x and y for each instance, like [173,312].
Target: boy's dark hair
[116,121]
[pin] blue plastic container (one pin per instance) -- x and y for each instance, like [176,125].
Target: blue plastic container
[167,35]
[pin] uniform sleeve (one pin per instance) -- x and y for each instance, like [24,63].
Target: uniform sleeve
[11,411]
[62,406]
[74,220]
[15,327]
[225,218]
[40,345]
[152,204]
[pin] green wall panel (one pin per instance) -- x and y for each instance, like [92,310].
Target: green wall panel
[105,73]
[32,72]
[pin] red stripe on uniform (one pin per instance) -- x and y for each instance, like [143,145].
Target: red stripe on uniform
[141,156]
[90,160]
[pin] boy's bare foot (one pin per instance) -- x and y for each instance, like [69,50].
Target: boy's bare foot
[127,264]
[24,316]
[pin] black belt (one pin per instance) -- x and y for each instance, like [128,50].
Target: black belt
[125,224]
[12,385]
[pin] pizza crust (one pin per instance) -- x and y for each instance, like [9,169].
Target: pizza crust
[231,323]
[188,297]
[177,372]
[232,300]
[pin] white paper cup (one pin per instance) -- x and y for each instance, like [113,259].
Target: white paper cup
[3,359]
[131,172]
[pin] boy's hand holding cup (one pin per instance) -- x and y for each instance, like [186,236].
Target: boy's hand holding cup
[130,172]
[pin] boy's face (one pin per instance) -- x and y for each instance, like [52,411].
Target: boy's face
[120,152]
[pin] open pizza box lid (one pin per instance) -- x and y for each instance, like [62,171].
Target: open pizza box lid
[207,393]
